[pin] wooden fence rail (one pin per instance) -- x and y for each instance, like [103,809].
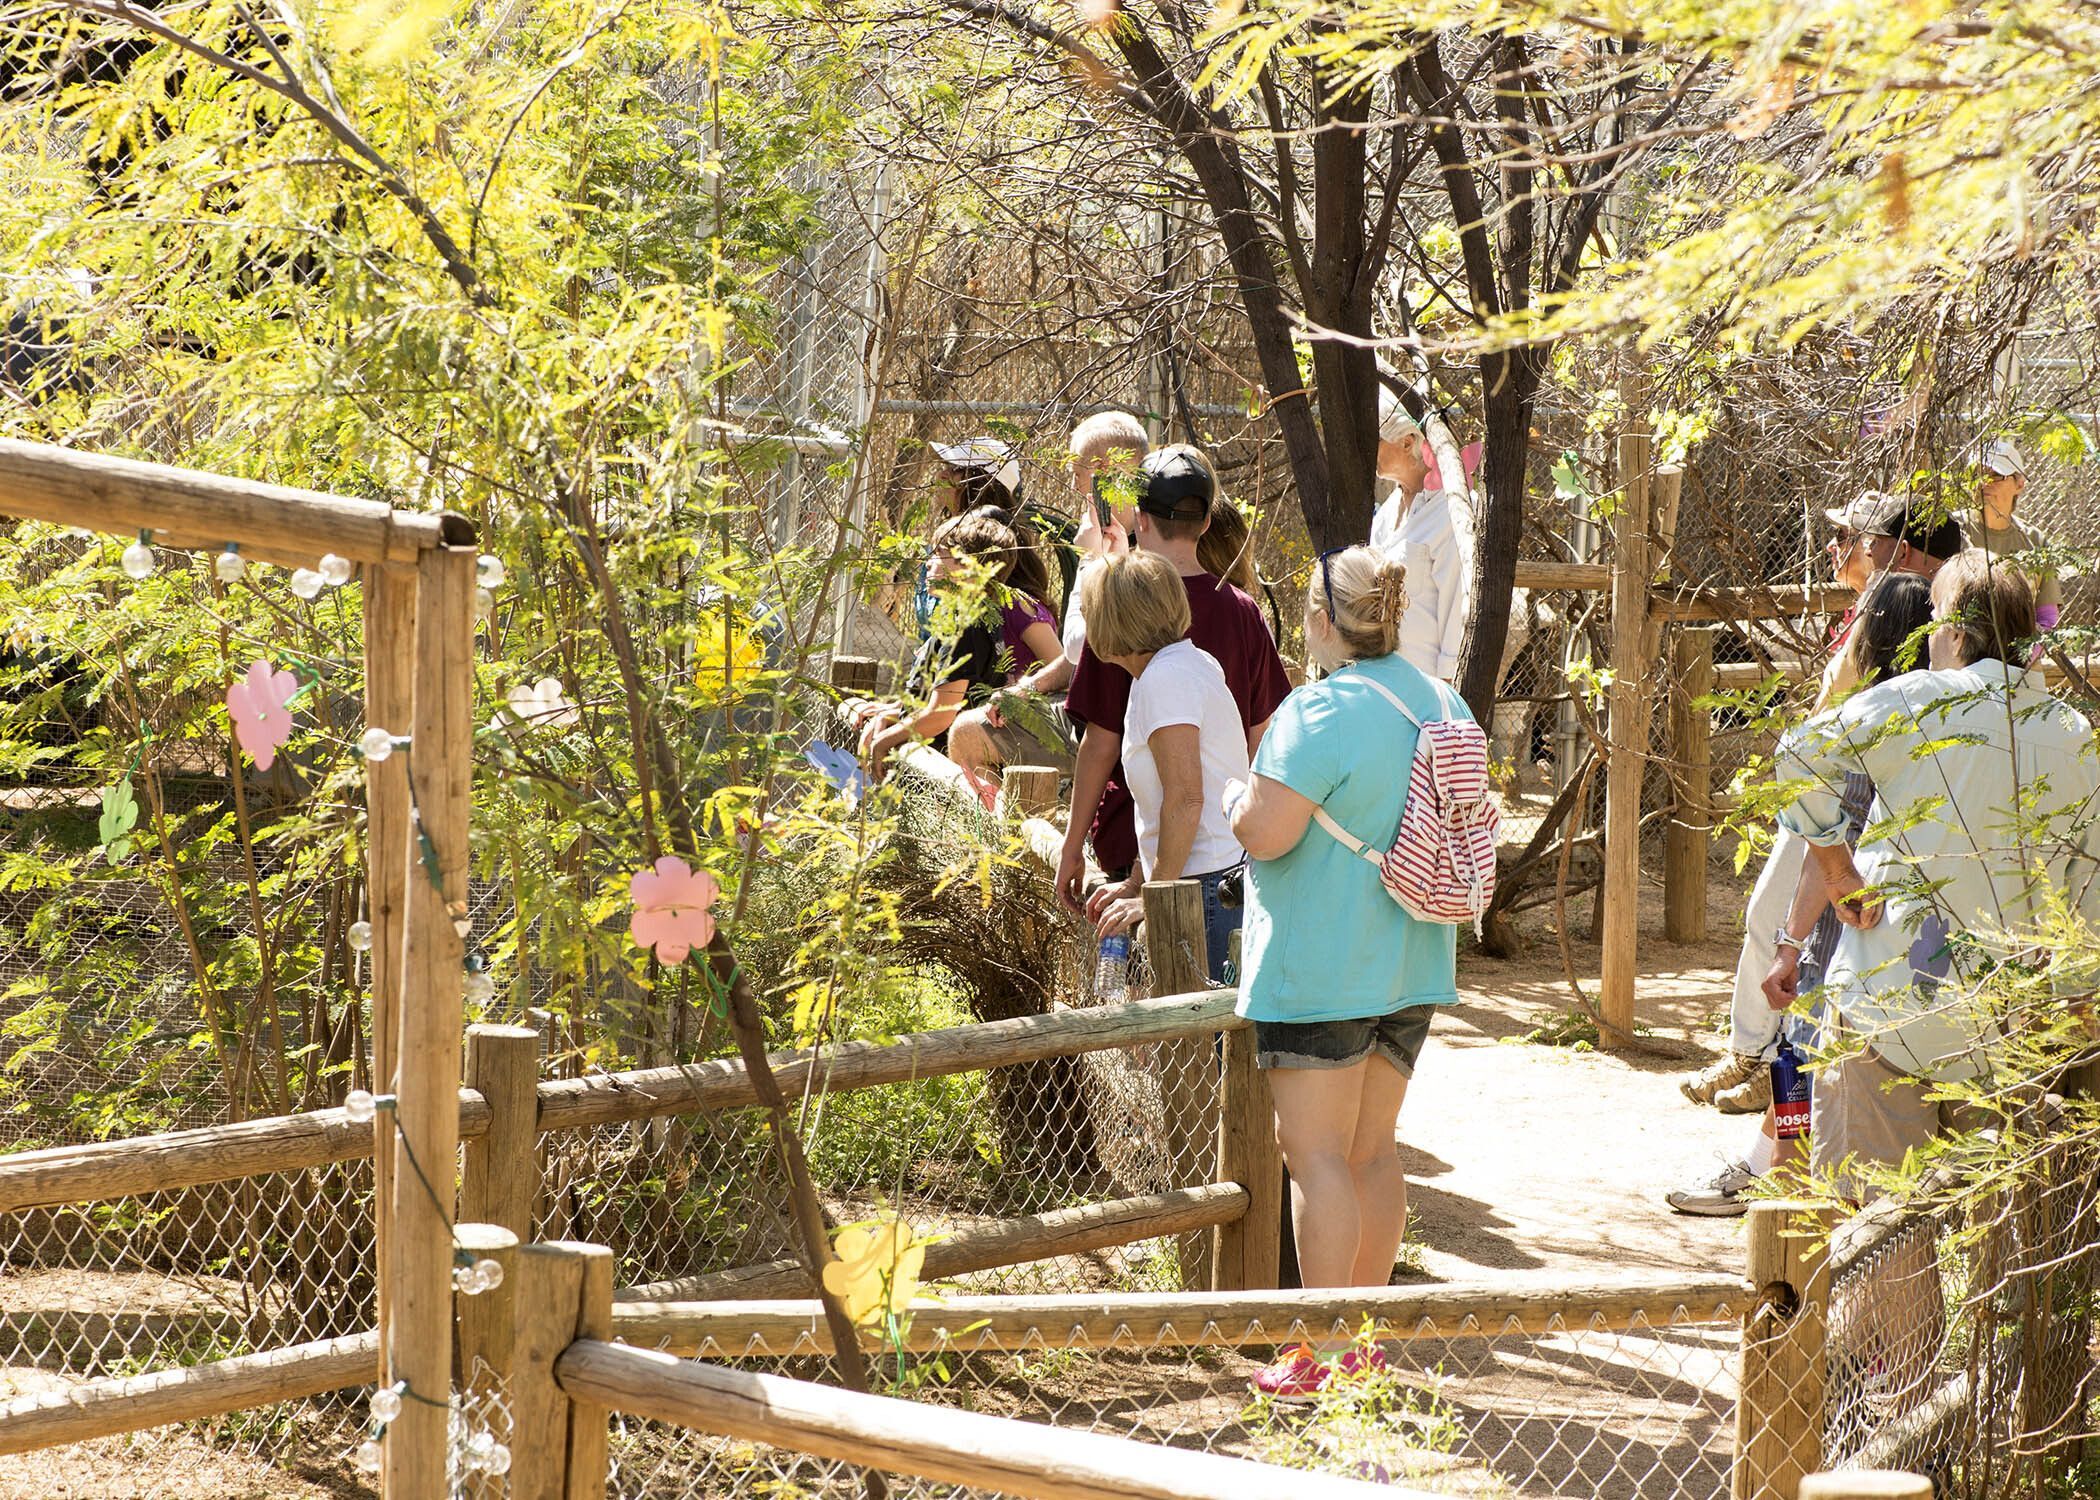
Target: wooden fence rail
[932,1442]
[1532,1304]
[288,1143]
[132,1403]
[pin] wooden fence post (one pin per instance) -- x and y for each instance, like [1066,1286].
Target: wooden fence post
[1866,1484]
[483,1324]
[484,1319]
[1028,792]
[1188,1069]
[856,676]
[1779,1415]
[1690,831]
[1244,1253]
[562,1292]
[501,1179]
[390,701]
[589,1452]
[1627,724]
[424,1138]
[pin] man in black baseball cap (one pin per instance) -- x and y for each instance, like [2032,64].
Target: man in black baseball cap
[1175,488]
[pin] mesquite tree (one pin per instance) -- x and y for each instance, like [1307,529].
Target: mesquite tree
[1412,197]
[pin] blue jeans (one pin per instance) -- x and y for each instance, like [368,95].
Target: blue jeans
[1219,924]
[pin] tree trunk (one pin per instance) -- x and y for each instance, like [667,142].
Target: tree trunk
[1511,381]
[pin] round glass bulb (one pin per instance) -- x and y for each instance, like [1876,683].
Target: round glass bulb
[490,1272]
[488,572]
[464,1282]
[335,571]
[361,936]
[497,1459]
[138,560]
[229,566]
[376,744]
[386,1405]
[368,1456]
[359,1106]
[484,603]
[479,988]
[306,583]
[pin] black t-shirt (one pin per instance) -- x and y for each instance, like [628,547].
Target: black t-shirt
[972,657]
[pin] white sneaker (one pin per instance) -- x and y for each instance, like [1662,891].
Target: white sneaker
[1720,1199]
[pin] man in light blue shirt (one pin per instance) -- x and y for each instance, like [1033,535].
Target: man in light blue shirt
[1986,796]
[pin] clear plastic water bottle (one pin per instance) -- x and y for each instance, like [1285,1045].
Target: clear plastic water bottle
[1112,968]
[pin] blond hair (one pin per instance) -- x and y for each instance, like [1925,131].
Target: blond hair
[1133,604]
[1369,598]
[1097,435]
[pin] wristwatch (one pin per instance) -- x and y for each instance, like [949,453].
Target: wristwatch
[1784,939]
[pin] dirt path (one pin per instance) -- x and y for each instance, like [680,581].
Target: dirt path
[1532,1157]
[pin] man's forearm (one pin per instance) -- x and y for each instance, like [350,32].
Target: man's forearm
[1098,752]
[1811,896]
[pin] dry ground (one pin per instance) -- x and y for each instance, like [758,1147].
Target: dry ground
[1532,1157]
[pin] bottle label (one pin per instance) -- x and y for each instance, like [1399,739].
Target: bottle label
[1116,946]
[1790,1095]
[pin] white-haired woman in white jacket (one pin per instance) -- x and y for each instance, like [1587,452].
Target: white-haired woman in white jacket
[1430,532]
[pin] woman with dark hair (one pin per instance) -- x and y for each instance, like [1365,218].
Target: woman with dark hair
[980,629]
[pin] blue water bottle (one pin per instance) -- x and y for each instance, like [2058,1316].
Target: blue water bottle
[1112,968]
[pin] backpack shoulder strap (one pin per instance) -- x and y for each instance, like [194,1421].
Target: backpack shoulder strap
[1390,696]
[1344,837]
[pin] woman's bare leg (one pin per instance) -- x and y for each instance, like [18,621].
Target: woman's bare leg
[1316,1111]
[1374,1165]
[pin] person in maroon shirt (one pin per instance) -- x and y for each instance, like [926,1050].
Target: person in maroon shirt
[1176,488]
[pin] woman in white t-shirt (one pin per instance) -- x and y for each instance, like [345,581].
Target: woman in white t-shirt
[1182,742]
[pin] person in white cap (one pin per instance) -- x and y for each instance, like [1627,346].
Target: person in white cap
[2000,481]
[978,471]
[1430,533]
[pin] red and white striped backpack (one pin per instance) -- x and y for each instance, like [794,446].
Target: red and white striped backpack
[1441,866]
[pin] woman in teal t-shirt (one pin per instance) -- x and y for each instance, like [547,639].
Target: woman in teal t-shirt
[1339,981]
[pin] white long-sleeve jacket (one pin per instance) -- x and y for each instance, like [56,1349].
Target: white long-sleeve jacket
[1433,540]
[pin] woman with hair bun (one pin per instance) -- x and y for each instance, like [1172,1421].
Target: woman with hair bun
[1339,981]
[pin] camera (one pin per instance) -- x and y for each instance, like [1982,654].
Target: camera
[1232,888]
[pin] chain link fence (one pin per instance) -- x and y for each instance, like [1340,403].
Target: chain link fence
[1574,1406]
[1960,1341]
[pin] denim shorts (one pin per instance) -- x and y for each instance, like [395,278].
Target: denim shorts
[1397,1037]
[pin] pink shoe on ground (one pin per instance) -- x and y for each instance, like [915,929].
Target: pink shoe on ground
[1297,1375]
[1369,1361]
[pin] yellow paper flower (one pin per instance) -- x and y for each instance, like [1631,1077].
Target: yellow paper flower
[877,1270]
[721,669]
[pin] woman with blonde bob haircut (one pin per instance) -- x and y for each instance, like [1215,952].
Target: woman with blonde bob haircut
[1183,742]
[1339,981]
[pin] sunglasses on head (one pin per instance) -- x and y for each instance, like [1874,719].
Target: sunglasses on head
[1327,579]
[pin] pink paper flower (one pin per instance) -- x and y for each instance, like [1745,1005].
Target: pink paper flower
[1468,455]
[671,902]
[260,705]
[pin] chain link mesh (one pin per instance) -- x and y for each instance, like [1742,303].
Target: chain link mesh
[1960,1345]
[1574,1408]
